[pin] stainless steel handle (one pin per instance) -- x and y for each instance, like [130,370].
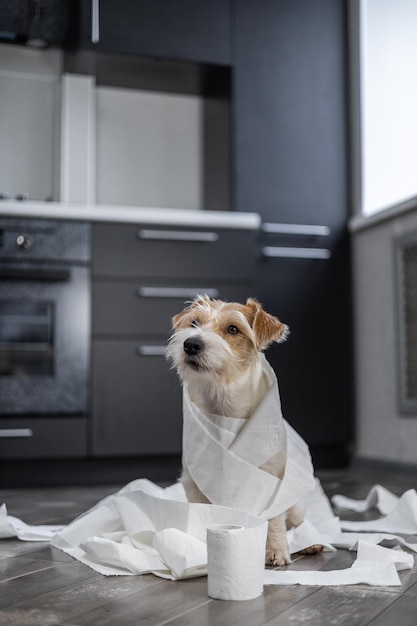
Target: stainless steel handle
[178,235]
[296,253]
[16,432]
[175,292]
[95,21]
[296,229]
[151,350]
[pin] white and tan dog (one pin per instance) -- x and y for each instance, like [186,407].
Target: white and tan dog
[216,348]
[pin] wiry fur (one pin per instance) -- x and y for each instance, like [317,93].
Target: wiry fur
[224,376]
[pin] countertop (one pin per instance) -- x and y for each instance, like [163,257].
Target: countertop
[128,214]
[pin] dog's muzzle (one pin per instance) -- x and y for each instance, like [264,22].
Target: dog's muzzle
[193,346]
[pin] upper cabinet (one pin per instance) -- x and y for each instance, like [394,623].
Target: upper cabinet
[193,30]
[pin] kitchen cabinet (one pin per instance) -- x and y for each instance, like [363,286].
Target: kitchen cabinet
[51,437]
[290,163]
[142,276]
[192,30]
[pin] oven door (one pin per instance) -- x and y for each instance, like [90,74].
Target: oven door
[44,340]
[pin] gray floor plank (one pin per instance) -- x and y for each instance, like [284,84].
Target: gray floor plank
[341,606]
[257,612]
[155,605]
[403,612]
[15,567]
[67,604]
[49,577]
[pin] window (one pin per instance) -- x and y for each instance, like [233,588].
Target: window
[386,103]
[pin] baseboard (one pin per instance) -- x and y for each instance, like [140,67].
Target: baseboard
[74,472]
[383,466]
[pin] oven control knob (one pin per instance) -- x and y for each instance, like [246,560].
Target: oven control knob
[23,242]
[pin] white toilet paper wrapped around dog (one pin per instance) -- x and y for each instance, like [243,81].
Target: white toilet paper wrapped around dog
[223,456]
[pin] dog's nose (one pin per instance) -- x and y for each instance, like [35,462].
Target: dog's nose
[193,345]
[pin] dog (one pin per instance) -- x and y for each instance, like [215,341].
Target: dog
[215,347]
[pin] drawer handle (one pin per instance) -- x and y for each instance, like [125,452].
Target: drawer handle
[175,292]
[296,253]
[296,229]
[16,432]
[177,235]
[95,21]
[151,350]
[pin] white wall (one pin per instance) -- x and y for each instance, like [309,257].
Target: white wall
[382,432]
[29,117]
[149,149]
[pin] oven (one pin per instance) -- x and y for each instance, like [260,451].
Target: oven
[44,317]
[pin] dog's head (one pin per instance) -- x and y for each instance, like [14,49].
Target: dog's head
[221,339]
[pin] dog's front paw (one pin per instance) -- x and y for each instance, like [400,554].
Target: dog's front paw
[277,556]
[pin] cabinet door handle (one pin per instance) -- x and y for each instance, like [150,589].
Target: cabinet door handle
[178,235]
[175,292]
[286,252]
[296,229]
[95,21]
[151,350]
[16,432]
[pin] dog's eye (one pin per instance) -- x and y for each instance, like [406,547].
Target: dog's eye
[232,330]
[194,323]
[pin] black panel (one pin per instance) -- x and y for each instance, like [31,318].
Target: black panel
[290,157]
[194,30]
[34,22]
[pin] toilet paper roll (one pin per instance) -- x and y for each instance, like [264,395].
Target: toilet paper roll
[236,561]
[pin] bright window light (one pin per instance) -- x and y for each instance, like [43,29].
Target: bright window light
[388,87]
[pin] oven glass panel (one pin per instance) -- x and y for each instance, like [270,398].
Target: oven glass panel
[26,338]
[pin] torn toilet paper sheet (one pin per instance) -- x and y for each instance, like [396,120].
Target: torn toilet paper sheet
[350,540]
[134,532]
[401,519]
[378,497]
[374,566]
[237,448]
[13,527]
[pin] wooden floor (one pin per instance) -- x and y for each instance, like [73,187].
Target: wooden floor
[41,586]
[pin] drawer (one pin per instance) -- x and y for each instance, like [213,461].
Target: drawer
[137,308]
[137,401]
[43,438]
[127,250]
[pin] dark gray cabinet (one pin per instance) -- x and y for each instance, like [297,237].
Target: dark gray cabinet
[48,437]
[142,276]
[290,164]
[192,30]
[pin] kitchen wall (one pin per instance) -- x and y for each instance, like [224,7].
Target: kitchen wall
[383,433]
[149,148]
[142,148]
[29,120]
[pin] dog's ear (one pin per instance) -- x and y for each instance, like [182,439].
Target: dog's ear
[266,327]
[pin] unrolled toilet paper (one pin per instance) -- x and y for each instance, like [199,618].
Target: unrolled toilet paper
[236,561]
[144,528]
